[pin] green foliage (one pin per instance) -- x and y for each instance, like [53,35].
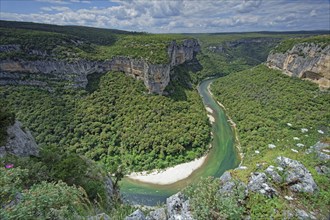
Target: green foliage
[72,43]
[262,101]
[48,201]
[55,45]
[150,47]
[117,122]
[224,54]
[207,203]
[104,36]
[262,207]
[11,182]
[322,40]
[6,118]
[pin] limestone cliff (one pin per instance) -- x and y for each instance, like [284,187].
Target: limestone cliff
[304,60]
[19,142]
[40,72]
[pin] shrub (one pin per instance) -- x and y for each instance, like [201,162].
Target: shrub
[207,203]
[49,201]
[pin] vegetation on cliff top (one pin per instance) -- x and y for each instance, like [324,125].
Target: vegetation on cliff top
[6,118]
[284,46]
[72,43]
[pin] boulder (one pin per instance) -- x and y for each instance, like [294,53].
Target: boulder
[229,185]
[19,142]
[178,208]
[296,175]
[101,216]
[136,215]
[273,174]
[258,183]
[302,215]
[158,214]
[321,152]
[323,170]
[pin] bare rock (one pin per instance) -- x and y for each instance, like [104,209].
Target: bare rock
[178,208]
[323,170]
[297,176]
[19,142]
[273,174]
[304,60]
[101,216]
[136,215]
[155,76]
[303,215]
[229,186]
[258,183]
[158,214]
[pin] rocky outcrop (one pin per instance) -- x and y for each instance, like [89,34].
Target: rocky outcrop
[305,60]
[158,214]
[101,216]
[258,183]
[296,176]
[178,208]
[37,73]
[19,142]
[321,150]
[137,215]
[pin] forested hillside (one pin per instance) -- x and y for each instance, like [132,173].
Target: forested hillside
[275,115]
[271,108]
[118,122]
[72,43]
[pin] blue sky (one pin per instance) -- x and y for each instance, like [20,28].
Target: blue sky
[175,16]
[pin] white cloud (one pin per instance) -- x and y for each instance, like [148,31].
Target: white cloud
[53,1]
[55,8]
[186,15]
[248,6]
[313,13]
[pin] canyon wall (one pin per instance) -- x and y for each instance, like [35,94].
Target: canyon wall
[41,72]
[305,60]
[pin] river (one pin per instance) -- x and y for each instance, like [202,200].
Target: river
[222,156]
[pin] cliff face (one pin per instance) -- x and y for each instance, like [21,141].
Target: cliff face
[155,76]
[19,142]
[227,45]
[306,60]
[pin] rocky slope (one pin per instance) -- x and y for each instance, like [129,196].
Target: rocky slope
[304,60]
[43,72]
[19,142]
[287,180]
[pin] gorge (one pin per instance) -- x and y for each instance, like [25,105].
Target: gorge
[102,108]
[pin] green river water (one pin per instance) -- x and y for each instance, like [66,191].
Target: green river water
[222,156]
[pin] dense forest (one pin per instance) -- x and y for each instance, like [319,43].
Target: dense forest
[271,108]
[117,122]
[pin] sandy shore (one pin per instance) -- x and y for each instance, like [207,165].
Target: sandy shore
[211,118]
[169,175]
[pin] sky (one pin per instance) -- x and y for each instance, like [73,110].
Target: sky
[175,16]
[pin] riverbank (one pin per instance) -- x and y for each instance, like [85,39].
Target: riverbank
[175,173]
[169,175]
[151,189]
[232,124]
